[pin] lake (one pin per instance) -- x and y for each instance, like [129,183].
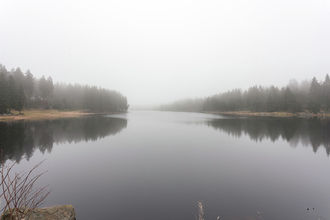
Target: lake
[149,165]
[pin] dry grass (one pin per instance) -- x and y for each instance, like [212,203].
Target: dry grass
[273,114]
[42,115]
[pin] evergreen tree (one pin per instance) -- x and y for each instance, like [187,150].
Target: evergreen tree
[28,84]
[12,92]
[326,93]
[315,96]
[295,97]
[18,90]
[273,100]
[290,101]
[4,100]
[18,76]
[20,99]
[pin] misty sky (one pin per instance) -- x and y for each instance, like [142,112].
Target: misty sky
[158,51]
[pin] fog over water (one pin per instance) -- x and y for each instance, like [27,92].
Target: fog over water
[240,168]
[189,59]
[157,51]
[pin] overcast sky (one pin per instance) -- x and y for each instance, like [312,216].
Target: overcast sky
[156,51]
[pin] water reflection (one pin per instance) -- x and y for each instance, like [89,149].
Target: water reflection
[309,132]
[20,139]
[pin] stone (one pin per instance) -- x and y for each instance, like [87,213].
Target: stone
[61,212]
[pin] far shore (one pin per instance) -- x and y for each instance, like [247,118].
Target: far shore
[272,114]
[37,114]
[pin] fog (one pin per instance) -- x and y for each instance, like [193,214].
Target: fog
[155,52]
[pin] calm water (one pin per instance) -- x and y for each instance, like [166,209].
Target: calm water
[157,165]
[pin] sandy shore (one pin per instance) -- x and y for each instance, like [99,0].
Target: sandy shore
[273,114]
[43,115]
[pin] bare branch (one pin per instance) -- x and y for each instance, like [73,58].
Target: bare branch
[17,193]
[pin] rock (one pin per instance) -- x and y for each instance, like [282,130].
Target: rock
[61,212]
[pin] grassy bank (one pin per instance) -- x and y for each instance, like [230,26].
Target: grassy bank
[273,114]
[42,115]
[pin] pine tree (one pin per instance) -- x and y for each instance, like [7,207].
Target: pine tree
[28,84]
[315,96]
[4,102]
[12,92]
[273,100]
[20,99]
[326,93]
[290,102]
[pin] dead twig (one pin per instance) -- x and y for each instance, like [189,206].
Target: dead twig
[18,194]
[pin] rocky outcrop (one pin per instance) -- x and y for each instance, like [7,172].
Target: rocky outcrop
[62,212]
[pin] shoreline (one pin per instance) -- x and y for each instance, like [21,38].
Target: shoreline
[37,114]
[272,114]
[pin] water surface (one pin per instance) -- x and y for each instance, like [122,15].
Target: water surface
[157,165]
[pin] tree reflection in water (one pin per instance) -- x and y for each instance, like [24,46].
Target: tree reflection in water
[20,139]
[309,132]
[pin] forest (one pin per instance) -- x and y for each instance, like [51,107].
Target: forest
[311,96]
[20,91]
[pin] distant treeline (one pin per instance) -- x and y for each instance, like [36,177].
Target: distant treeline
[312,96]
[20,90]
